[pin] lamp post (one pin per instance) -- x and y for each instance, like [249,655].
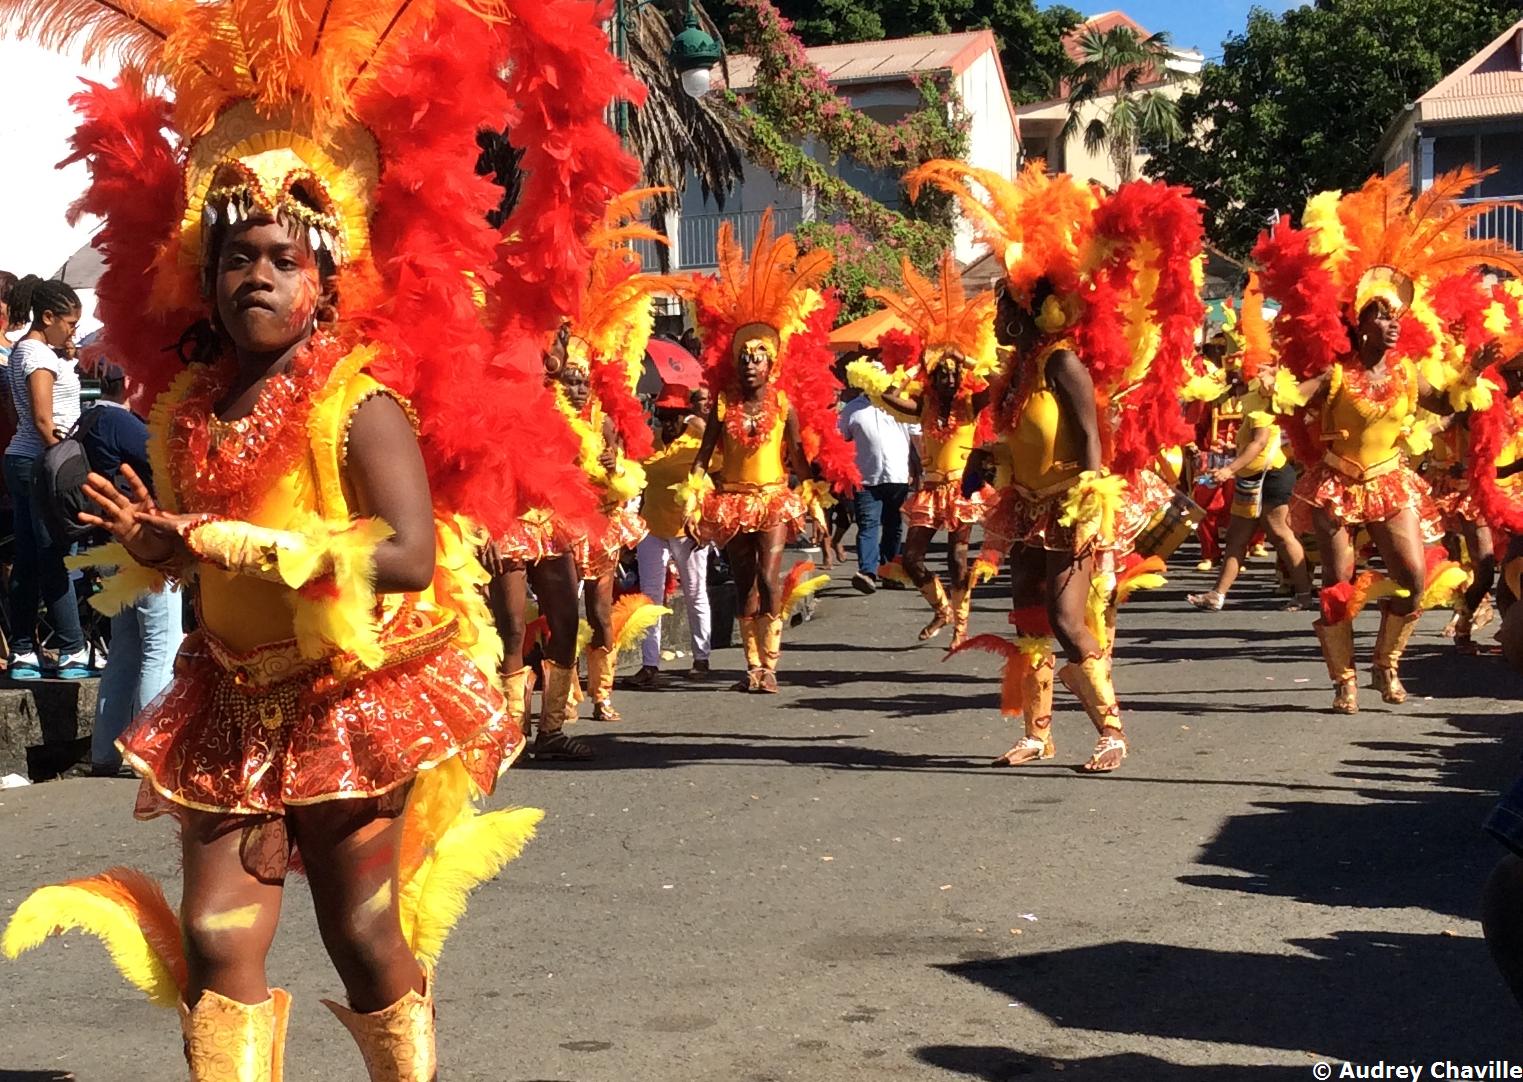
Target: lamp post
[693,54]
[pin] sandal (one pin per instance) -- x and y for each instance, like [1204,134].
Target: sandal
[1210,601]
[1112,741]
[1300,603]
[750,682]
[1485,615]
[1346,696]
[766,682]
[558,747]
[1027,750]
[604,711]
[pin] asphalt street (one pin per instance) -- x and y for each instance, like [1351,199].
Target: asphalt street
[832,884]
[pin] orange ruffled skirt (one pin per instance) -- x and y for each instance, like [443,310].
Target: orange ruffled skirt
[1455,500]
[727,514]
[598,553]
[534,537]
[1018,520]
[237,735]
[1352,503]
[942,506]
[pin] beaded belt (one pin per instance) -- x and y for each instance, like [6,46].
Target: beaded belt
[940,477]
[1355,472]
[752,488]
[273,684]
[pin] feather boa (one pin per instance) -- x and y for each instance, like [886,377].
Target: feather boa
[807,378]
[1491,430]
[610,383]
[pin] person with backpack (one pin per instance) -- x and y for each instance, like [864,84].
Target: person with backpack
[45,392]
[145,636]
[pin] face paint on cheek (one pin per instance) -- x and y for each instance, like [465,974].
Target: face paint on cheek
[304,303]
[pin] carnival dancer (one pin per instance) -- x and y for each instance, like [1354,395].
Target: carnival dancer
[1097,313]
[1357,329]
[340,697]
[943,383]
[1260,474]
[1216,436]
[767,358]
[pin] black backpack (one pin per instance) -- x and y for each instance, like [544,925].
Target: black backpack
[58,485]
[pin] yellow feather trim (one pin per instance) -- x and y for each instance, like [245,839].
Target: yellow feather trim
[1097,606]
[120,908]
[690,494]
[345,618]
[472,850]
[639,616]
[583,637]
[816,496]
[1150,581]
[795,597]
[1472,393]
[1091,506]
[1446,588]
[159,417]
[1286,396]
[868,375]
[460,583]
[130,581]
[1204,388]
[982,571]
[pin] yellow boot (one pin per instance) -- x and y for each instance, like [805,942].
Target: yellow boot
[1090,681]
[1035,701]
[397,1042]
[750,638]
[771,627]
[962,604]
[1390,643]
[935,596]
[515,689]
[228,1041]
[551,741]
[600,663]
[1338,651]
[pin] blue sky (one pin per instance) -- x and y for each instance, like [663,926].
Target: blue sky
[1198,23]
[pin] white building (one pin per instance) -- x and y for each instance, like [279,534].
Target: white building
[876,77]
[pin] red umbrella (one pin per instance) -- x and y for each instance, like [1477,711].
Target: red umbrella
[667,364]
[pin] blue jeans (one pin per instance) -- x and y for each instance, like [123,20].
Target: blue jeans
[38,573]
[145,636]
[879,526]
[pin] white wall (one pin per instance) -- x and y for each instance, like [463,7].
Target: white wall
[992,140]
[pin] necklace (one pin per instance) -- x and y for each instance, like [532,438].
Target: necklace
[944,426]
[750,426]
[1375,396]
[226,467]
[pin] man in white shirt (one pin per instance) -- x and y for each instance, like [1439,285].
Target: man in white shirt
[884,447]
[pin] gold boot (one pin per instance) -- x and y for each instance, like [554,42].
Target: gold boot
[515,689]
[750,637]
[935,596]
[1390,642]
[600,664]
[551,741]
[1090,682]
[1338,651]
[397,1042]
[771,651]
[228,1041]
[1035,697]
[962,604]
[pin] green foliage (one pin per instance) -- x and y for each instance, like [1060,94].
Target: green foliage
[1299,102]
[793,101]
[1030,39]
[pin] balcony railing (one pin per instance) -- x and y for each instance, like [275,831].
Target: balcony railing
[698,235]
[1504,222]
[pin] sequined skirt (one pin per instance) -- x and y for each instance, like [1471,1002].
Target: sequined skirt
[942,506]
[1455,500]
[535,536]
[1016,519]
[1353,503]
[598,553]
[251,734]
[751,510]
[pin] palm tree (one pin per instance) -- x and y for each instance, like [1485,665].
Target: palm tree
[1118,64]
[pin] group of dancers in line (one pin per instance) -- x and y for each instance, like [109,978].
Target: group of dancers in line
[399,397]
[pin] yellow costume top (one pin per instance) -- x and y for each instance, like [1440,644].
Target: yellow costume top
[667,468]
[945,459]
[1044,448]
[745,466]
[1363,433]
[1272,457]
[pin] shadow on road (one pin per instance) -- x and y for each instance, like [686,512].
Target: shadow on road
[1357,996]
[991,1063]
[35,1076]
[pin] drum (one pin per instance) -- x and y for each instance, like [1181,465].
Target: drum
[1173,523]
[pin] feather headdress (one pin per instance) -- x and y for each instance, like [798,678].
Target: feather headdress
[287,111]
[946,321]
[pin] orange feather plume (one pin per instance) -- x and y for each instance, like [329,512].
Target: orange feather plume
[942,316]
[773,288]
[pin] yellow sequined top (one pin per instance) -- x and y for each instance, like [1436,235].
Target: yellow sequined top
[1364,434]
[1044,446]
[745,467]
[245,613]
